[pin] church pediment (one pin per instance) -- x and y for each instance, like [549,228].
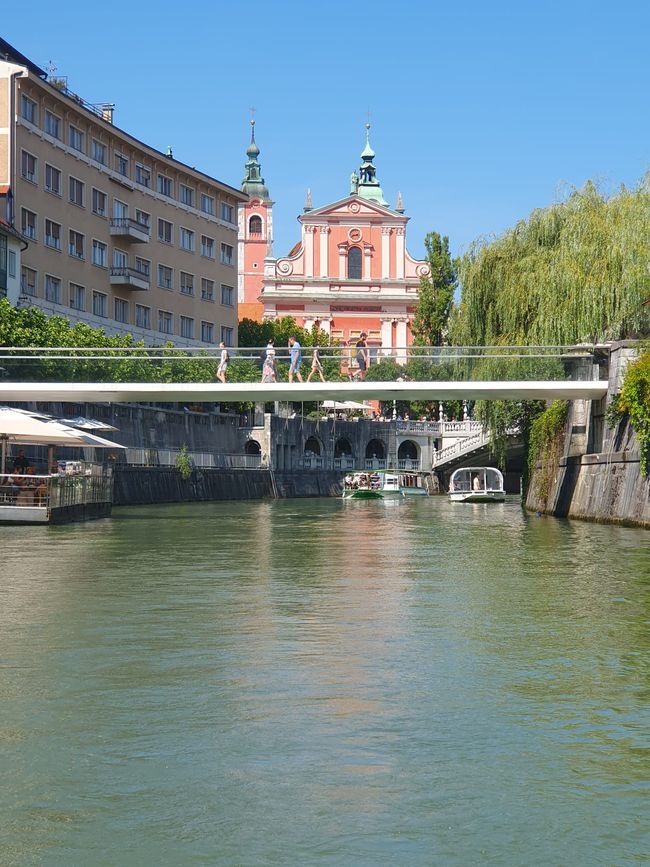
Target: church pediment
[352,207]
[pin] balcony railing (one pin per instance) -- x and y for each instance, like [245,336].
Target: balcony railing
[131,278]
[408,464]
[130,230]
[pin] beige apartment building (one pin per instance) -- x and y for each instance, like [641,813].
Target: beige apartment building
[121,236]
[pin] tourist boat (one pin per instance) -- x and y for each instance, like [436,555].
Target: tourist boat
[372,485]
[476,485]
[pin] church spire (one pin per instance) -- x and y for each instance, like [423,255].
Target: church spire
[253,182]
[369,187]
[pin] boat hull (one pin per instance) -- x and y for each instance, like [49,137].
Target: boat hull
[371,495]
[477,497]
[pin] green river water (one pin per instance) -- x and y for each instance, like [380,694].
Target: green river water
[318,682]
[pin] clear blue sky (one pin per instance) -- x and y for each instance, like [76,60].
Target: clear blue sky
[481,111]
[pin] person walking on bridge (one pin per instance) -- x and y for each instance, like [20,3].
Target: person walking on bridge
[268,370]
[296,359]
[316,366]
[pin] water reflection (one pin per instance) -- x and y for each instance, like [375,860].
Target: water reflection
[324,682]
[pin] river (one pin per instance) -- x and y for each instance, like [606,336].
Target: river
[318,682]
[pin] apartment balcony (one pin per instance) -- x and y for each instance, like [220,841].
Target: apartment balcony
[130,230]
[130,278]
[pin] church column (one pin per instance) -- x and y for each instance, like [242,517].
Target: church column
[343,256]
[401,339]
[387,336]
[309,250]
[324,251]
[385,253]
[367,261]
[399,253]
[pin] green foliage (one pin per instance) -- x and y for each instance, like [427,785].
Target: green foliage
[436,293]
[184,463]
[545,445]
[252,333]
[575,271]
[32,328]
[634,401]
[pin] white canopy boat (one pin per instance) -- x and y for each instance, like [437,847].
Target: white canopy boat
[476,485]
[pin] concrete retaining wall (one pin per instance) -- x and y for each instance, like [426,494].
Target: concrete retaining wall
[143,485]
[598,477]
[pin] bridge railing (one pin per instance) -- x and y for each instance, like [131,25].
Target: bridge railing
[170,363]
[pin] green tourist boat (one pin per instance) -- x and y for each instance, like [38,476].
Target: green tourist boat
[374,485]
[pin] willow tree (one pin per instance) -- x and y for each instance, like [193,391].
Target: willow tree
[578,270]
[436,293]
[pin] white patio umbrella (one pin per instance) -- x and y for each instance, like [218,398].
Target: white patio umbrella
[86,423]
[19,426]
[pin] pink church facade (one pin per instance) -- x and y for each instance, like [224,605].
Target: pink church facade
[350,271]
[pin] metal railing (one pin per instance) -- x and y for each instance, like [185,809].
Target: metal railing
[84,483]
[139,457]
[127,223]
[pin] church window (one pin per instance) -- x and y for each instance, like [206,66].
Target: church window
[354,263]
[255,225]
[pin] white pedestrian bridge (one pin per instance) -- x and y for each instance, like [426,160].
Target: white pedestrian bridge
[236,392]
[412,373]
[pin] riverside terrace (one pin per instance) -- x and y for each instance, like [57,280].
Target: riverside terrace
[167,373]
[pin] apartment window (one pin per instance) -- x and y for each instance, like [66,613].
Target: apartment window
[227,212]
[142,266]
[207,204]
[52,125]
[28,109]
[187,327]
[76,192]
[121,311]
[99,254]
[143,218]
[165,186]
[226,254]
[99,152]
[28,223]
[186,239]
[52,289]
[99,203]
[227,295]
[165,322]
[226,335]
[52,180]
[11,263]
[53,234]
[207,332]
[76,138]
[28,280]
[186,283]
[77,297]
[28,166]
[120,259]
[120,210]
[207,289]
[187,195]
[100,304]
[165,231]
[76,244]
[142,316]
[142,175]
[121,165]
[165,277]
[207,246]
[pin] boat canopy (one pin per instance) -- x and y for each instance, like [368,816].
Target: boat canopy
[476,479]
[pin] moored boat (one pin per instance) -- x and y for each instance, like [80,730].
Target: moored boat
[378,485]
[476,485]
[412,485]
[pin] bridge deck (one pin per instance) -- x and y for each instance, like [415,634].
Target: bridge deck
[128,392]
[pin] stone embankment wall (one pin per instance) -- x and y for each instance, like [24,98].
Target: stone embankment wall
[144,485]
[598,477]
